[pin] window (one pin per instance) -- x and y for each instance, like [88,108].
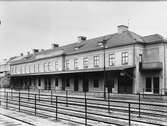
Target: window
[20,69]
[67,82]
[45,67]
[67,64]
[29,68]
[111,59]
[148,84]
[56,65]
[34,69]
[56,82]
[39,82]
[38,66]
[96,83]
[85,62]
[124,58]
[49,66]
[25,69]
[75,63]
[96,61]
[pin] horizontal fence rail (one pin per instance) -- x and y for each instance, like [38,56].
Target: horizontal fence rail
[85,110]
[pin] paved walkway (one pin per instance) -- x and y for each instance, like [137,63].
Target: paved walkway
[13,118]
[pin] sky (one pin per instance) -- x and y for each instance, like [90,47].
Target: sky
[31,25]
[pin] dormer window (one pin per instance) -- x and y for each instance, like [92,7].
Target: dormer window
[78,46]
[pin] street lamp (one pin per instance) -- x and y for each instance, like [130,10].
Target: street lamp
[103,44]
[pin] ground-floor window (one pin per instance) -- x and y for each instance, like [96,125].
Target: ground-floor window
[148,84]
[96,83]
[152,84]
[56,82]
[67,82]
[39,82]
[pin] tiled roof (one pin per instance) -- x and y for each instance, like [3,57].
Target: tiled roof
[113,40]
[153,38]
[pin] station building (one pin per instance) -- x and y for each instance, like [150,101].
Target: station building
[123,62]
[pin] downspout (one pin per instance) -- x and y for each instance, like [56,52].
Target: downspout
[164,65]
[134,76]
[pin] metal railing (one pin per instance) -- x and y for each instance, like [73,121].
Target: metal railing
[85,110]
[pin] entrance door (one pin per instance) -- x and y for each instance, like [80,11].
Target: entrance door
[156,85]
[45,83]
[85,85]
[124,85]
[75,84]
[148,84]
[49,83]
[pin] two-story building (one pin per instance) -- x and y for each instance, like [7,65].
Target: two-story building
[123,62]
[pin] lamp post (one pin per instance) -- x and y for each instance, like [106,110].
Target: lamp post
[103,44]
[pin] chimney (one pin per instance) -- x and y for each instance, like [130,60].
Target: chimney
[54,45]
[42,50]
[81,38]
[21,54]
[28,53]
[35,51]
[122,28]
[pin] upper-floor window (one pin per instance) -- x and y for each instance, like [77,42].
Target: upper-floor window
[49,66]
[96,61]
[67,64]
[27,69]
[20,69]
[12,70]
[124,58]
[38,66]
[75,63]
[56,65]
[111,59]
[45,67]
[85,62]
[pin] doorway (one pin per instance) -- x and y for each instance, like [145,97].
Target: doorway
[85,85]
[75,84]
[156,85]
[124,85]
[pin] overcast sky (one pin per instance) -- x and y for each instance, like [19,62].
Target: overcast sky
[27,25]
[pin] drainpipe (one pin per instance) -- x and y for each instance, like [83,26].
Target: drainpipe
[134,54]
[164,66]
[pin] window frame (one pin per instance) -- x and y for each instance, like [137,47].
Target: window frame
[76,63]
[85,62]
[124,58]
[67,64]
[96,83]
[111,59]
[96,61]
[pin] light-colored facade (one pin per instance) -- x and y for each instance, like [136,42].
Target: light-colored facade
[4,73]
[132,64]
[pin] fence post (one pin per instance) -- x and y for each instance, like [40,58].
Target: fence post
[85,110]
[56,107]
[11,92]
[108,102]
[139,105]
[39,93]
[19,100]
[35,102]
[6,100]
[66,98]
[129,115]
[51,93]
